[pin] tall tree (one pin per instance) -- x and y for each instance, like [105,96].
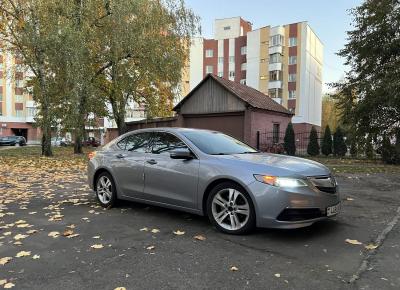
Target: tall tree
[369,96]
[289,140]
[330,113]
[326,147]
[313,146]
[339,145]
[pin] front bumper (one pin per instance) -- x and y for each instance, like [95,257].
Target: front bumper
[290,208]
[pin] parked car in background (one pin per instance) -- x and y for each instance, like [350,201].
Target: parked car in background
[91,141]
[12,141]
[59,141]
[209,173]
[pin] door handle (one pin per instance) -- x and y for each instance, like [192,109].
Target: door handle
[151,161]
[120,156]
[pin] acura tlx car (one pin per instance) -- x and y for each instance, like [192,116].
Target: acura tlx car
[210,173]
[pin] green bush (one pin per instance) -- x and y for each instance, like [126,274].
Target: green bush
[313,146]
[388,153]
[289,140]
[397,147]
[339,146]
[369,150]
[326,147]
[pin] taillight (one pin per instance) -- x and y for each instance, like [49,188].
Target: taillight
[92,154]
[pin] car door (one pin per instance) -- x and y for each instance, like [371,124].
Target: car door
[128,163]
[167,180]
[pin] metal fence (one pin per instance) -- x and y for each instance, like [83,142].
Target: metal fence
[273,142]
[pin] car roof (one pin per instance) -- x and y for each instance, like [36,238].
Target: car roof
[172,129]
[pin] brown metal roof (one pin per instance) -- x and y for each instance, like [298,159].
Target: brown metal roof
[249,95]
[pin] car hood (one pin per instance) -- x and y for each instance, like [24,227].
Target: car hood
[280,165]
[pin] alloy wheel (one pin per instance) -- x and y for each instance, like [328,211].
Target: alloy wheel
[104,189]
[230,209]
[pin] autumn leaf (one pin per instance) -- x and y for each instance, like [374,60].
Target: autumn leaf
[8,285]
[234,268]
[35,257]
[179,233]
[154,231]
[54,234]
[277,275]
[97,246]
[31,232]
[23,254]
[144,229]
[200,237]
[371,247]
[5,260]
[19,237]
[20,222]
[22,225]
[120,288]
[96,237]
[150,247]
[73,236]
[68,232]
[3,281]
[353,242]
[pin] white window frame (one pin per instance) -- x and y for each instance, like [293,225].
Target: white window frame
[292,41]
[292,78]
[292,59]
[221,59]
[243,66]
[19,98]
[276,40]
[209,69]
[231,73]
[243,81]
[232,59]
[221,74]
[209,53]
[243,50]
[19,113]
[292,94]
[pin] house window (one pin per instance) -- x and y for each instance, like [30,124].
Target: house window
[220,74]
[275,75]
[19,113]
[1,97]
[275,93]
[292,94]
[209,69]
[275,133]
[231,74]
[232,59]
[292,59]
[243,50]
[19,98]
[19,83]
[292,41]
[292,77]
[209,53]
[243,66]
[220,59]
[243,81]
[227,28]
[276,40]
[31,112]
[275,58]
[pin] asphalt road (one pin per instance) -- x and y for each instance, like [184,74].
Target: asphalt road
[316,257]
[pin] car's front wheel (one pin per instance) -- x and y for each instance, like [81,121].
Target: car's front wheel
[105,190]
[230,209]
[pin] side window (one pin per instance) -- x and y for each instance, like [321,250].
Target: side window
[164,142]
[121,144]
[138,142]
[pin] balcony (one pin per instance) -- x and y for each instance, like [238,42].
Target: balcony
[278,100]
[275,85]
[275,66]
[275,49]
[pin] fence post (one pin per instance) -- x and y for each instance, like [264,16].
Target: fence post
[258,140]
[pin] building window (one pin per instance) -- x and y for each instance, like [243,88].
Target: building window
[292,77]
[275,75]
[220,74]
[243,66]
[275,58]
[292,41]
[275,133]
[243,50]
[276,40]
[243,81]
[19,113]
[293,59]
[1,97]
[220,59]
[19,98]
[275,93]
[19,83]
[209,53]
[292,94]
[209,69]
[231,74]
[31,112]
[232,59]
[227,28]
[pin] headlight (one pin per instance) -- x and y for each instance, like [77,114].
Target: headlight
[280,181]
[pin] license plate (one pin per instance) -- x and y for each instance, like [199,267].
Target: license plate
[333,210]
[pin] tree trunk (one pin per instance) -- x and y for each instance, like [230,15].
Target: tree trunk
[46,141]
[122,129]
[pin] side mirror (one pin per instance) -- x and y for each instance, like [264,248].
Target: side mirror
[181,154]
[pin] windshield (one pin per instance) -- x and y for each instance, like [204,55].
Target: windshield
[216,143]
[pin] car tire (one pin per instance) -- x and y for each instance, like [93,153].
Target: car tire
[230,209]
[106,192]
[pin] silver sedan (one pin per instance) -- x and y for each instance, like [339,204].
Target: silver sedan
[210,173]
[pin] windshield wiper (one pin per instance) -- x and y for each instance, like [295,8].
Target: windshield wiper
[249,152]
[221,153]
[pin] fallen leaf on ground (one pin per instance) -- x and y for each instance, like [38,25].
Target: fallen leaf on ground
[2,282]
[97,246]
[31,232]
[154,231]
[179,233]
[150,247]
[23,254]
[277,275]
[144,230]
[234,268]
[36,257]
[18,243]
[120,288]
[71,226]
[20,222]
[371,247]
[350,199]
[22,225]
[19,237]
[353,242]
[8,285]
[68,232]
[96,237]
[54,234]
[73,236]
[200,237]
[6,233]
[5,260]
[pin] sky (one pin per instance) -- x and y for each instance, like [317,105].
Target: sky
[329,19]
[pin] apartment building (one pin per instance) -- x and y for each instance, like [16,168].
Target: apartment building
[17,109]
[284,62]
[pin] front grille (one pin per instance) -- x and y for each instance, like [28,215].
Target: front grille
[299,214]
[324,183]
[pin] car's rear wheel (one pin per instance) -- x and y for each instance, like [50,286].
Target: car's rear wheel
[230,209]
[105,190]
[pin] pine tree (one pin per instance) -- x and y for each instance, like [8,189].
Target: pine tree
[339,146]
[353,147]
[313,146]
[326,147]
[369,150]
[289,140]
